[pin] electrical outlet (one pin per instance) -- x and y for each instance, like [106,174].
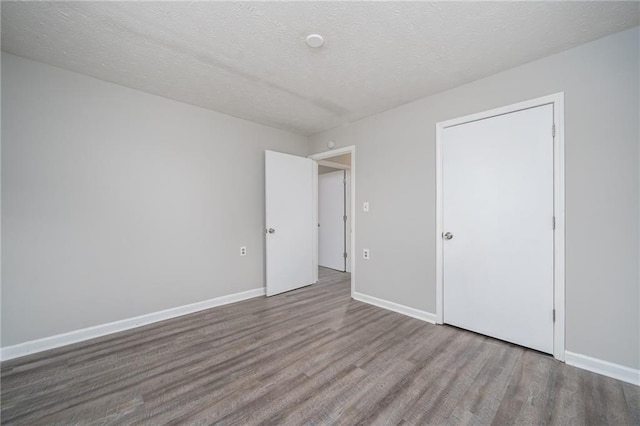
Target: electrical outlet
[365,254]
[243,251]
[365,206]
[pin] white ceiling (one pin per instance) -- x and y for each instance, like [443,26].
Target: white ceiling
[340,159]
[250,60]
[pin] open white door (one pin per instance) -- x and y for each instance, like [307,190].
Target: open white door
[291,223]
[332,224]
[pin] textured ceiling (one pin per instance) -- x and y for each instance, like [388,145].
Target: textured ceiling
[250,60]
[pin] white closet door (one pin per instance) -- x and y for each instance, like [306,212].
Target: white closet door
[498,208]
[331,212]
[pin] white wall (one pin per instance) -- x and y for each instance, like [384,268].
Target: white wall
[117,203]
[396,174]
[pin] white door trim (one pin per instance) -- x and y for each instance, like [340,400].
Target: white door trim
[557,100]
[334,153]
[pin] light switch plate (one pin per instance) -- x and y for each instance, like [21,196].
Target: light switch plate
[365,206]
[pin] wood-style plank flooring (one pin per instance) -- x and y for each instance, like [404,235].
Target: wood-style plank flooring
[310,356]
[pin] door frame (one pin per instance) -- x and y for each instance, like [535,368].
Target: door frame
[352,217]
[557,100]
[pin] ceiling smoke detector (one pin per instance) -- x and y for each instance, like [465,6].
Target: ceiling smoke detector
[315,40]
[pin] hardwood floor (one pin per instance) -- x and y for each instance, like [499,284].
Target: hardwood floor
[310,356]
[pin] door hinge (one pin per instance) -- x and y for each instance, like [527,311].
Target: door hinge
[344,255]
[553,222]
[553,130]
[344,218]
[344,181]
[554,315]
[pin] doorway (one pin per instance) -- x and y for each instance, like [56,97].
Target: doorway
[500,224]
[291,217]
[335,235]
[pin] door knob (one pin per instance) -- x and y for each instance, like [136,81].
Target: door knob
[447,236]
[271,230]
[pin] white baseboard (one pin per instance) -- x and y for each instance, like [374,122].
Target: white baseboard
[75,336]
[606,368]
[396,307]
